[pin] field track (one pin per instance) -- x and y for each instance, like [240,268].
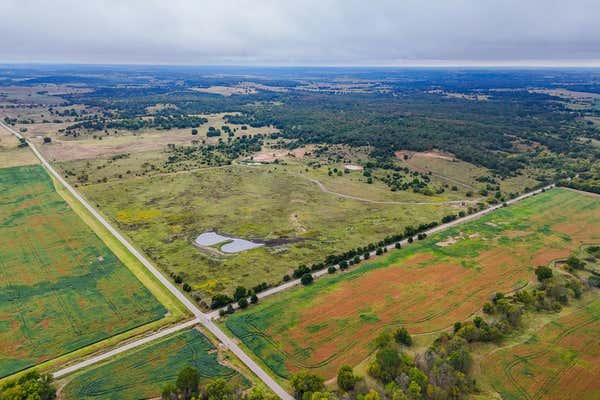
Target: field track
[200,316]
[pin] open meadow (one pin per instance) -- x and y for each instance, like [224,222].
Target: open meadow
[61,288]
[297,221]
[142,373]
[425,287]
[11,154]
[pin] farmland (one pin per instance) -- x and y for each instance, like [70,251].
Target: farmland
[299,222]
[11,155]
[561,360]
[61,288]
[425,287]
[143,372]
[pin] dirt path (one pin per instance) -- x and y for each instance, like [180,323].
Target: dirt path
[324,189]
[202,318]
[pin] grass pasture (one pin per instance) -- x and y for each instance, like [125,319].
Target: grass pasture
[163,214]
[11,155]
[425,287]
[61,288]
[561,360]
[142,373]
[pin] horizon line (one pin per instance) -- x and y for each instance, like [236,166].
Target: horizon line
[432,64]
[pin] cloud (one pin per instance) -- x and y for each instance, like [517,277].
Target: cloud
[350,32]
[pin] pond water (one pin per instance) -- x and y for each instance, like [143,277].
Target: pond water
[231,244]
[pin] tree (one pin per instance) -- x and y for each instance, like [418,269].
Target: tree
[257,393]
[31,386]
[220,300]
[240,292]
[187,382]
[47,140]
[243,303]
[402,336]
[194,131]
[306,279]
[169,392]
[543,273]
[303,382]
[345,378]
[574,263]
[254,298]
[218,390]
[372,395]
[414,391]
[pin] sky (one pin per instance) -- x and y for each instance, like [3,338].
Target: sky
[302,32]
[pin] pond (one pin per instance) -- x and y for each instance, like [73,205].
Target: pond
[229,244]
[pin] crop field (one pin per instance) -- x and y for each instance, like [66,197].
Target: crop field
[142,373]
[299,223]
[425,287]
[560,361]
[61,288]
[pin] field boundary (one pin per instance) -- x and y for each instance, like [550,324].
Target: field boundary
[201,317]
[392,247]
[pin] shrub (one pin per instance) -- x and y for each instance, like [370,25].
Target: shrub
[543,273]
[402,336]
[346,379]
[306,279]
[220,300]
[243,303]
[331,270]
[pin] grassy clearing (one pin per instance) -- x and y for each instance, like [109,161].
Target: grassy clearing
[73,292]
[425,287]
[163,214]
[559,360]
[464,175]
[11,155]
[142,372]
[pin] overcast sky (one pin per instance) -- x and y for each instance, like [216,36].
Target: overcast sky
[302,32]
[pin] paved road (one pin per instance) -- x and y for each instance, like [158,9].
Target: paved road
[201,318]
[206,319]
[96,359]
[403,243]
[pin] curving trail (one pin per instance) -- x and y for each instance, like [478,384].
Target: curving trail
[324,189]
[202,318]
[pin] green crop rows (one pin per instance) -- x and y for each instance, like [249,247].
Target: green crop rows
[141,374]
[61,288]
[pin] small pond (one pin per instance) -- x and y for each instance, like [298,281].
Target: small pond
[230,244]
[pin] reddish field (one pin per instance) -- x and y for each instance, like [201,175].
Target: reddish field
[425,287]
[560,361]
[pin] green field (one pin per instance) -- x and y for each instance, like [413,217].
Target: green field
[141,374]
[425,287]
[163,214]
[61,288]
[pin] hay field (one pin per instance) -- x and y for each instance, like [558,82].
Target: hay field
[425,287]
[142,373]
[61,288]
